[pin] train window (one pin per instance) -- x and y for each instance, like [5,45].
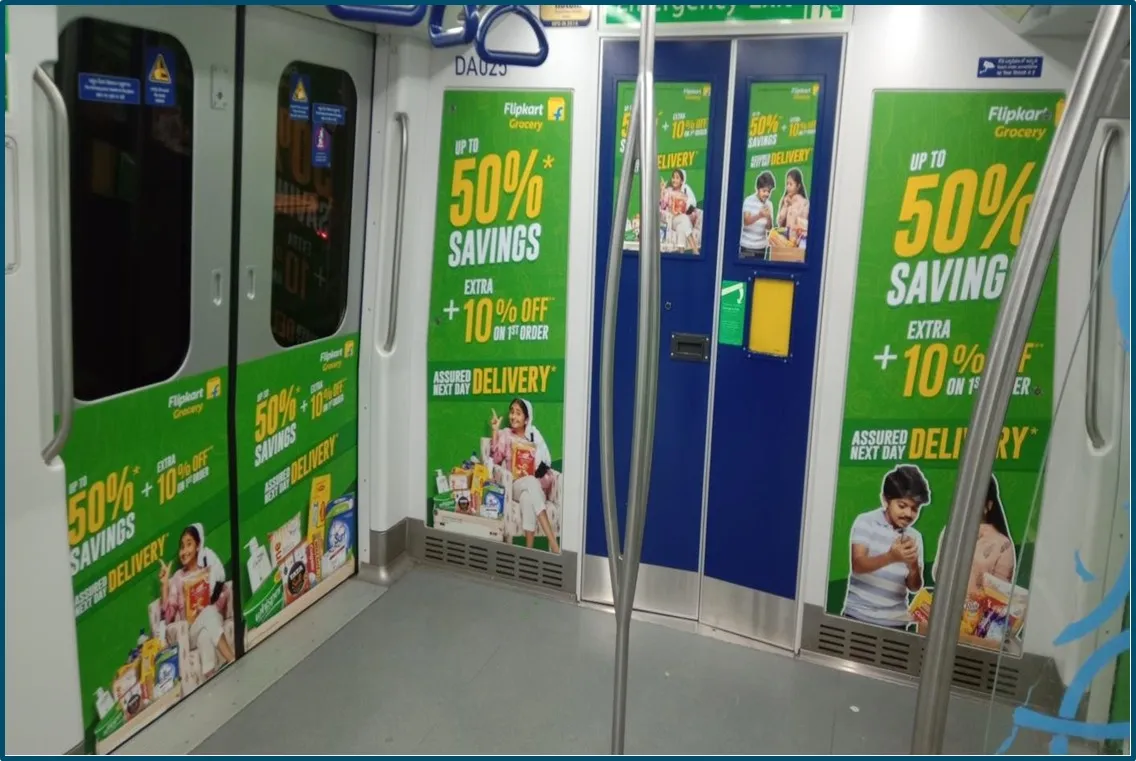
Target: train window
[311,239]
[129,94]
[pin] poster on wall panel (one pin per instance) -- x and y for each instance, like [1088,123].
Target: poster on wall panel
[683,130]
[495,416]
[297,438]
[149,532]
[778,171]
[950,179]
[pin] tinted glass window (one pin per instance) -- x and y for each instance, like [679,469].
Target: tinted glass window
[315,157]
[129,95]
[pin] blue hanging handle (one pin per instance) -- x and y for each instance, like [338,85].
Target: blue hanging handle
[395,15]
[506,57]
[458,35]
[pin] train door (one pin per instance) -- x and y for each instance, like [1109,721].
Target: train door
[692,82]
[305,125]
[147,499]
[783,127]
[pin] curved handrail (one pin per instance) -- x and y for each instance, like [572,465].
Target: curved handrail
[395,15]
[503,56]
[458,35]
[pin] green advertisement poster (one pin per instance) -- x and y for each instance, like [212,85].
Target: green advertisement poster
[149,533]
[297,438]
[496,343]
[683,129]
[628,15]
[950,179]
[779,170]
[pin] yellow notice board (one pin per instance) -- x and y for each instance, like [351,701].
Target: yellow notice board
[771,317]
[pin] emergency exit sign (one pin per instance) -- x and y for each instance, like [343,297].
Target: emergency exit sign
[628,15]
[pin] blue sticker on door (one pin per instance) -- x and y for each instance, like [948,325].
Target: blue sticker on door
[321,147]
[160,77]
[1019,67]
[102,88]
[326,113]
[299,102]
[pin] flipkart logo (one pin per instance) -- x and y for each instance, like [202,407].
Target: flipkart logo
[349,348]
[213,388]
[557,109]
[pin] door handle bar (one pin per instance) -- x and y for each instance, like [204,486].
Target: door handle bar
[400,209]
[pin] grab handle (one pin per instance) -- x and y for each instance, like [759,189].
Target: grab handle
[395,15]
[62,257]
[607,350]
[505,57]
[1092,391]
[396,266]
[458,35]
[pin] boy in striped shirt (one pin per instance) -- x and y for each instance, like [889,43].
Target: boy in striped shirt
[887,552]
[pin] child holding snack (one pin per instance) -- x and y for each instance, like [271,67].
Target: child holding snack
[196,593]
[522,449]
[793,211]
[887,552]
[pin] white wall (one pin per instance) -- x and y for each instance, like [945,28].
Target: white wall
[42,712]
[420,75]
[937,47]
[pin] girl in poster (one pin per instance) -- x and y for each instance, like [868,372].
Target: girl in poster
[793,211]
[679,214]
[207,627]
[522,449]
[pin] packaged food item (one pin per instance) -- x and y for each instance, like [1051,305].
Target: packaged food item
[922,598]
[493,501]
[127,690]
[464,501]
[148,664]
[317,505]
[459,480]
[104,701]
[259,566]
[971,617]
[524,459]
[285,539]
[333,560]
[197,592]
[341,525]
[166,671]
[479,478]
[445,502]
[298,572]
[441,483]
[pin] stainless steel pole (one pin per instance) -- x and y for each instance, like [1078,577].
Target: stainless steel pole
[1050,204]
[646,370]
[607,350]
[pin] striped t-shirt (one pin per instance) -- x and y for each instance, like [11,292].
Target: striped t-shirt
[879,597]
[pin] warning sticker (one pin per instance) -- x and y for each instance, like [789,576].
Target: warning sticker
[328,113]
[160,81]
[299,100]
[321,147]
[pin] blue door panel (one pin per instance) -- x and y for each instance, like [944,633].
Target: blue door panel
[762,405]
[674,514]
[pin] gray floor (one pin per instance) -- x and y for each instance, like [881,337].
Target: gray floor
[443,663]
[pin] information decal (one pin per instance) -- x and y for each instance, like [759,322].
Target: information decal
[780,145]
[628,15]
[498,316]
[682,131]
[149,530]
[951,176]
[297,473]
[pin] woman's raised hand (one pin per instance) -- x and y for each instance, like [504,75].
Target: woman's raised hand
[494,420]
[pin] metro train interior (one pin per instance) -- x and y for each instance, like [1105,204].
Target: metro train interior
[342,388]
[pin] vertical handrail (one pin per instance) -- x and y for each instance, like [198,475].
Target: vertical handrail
[646,372]
[400,210]
[62,261]
[607,349]
[1067,153]
[1092,359]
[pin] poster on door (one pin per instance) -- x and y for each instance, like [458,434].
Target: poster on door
[496,343]
[297,459]
[950,179]
[780,143]
[683,129]
[149,534]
